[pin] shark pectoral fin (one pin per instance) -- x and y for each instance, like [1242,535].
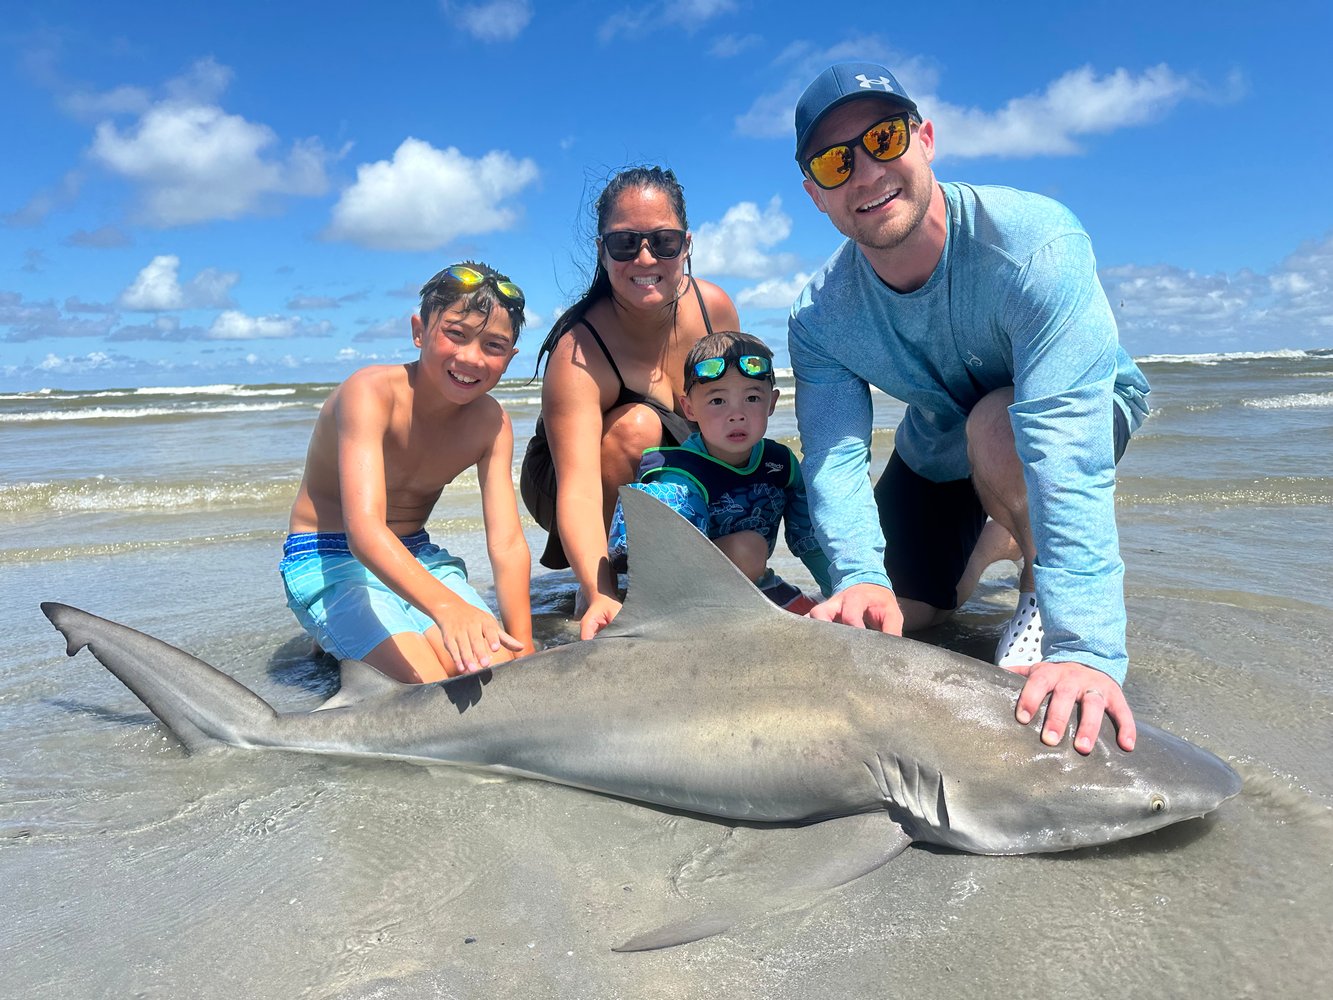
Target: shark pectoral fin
[758,870]
[679,932]
[361,683]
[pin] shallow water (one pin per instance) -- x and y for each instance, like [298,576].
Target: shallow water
[130,869]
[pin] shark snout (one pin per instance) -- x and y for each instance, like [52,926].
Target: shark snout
[1210,782]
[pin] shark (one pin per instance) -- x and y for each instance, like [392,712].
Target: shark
[823,750]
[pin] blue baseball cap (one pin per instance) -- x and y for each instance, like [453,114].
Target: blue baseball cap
[840,83]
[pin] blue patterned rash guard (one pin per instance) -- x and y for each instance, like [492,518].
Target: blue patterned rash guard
[721,499]
[1013,301]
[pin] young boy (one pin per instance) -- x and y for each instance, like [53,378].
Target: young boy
[361,574]
[728,480]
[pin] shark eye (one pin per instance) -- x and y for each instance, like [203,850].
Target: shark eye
[1157,803]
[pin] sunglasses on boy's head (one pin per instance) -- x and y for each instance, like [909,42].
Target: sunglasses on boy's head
[832,166]
[624,244]
[754,366]
[471,279]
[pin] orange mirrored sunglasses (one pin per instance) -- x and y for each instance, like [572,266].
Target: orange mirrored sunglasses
[832,166]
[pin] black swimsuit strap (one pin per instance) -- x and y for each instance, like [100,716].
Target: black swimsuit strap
[606,353]
[702,308]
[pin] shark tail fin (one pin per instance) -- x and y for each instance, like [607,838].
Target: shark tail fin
[198,703]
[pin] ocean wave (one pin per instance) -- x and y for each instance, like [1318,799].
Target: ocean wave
[86,549]
[518,400]
[221,389]
[101,494]
[1298,401]
[142,412]
[1219,358]
[1277,492]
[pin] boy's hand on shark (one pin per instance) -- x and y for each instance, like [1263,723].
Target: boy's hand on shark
[1069,685]
[862,605]
[602,610]
[470,636]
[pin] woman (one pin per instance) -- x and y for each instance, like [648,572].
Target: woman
[613,377]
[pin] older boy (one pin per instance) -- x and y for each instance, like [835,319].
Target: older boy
[361,573]
[727,479]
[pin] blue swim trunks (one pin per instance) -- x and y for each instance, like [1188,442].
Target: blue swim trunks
[344,606]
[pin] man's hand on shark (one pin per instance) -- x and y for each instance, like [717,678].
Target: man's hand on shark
[862,605]
[1068,685]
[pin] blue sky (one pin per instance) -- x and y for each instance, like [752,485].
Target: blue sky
[252,192]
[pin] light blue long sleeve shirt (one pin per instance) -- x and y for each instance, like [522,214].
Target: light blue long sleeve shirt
[1014,300]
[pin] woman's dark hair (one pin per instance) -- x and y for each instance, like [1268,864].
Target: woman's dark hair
[630,179]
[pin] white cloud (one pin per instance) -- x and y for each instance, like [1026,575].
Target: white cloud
[203,83]
[74,304]
[103,237]
[95,361]
[690,15]
[426,197]
[194,162]
[94,105]
[737,244]
[46,201]
[1041,124]
[158,287]
[1049,124]
[1160,305]
[775,293]
[393,328]
[28,321]
[492,21]
[728,46]
[772,114]
[234,325]
[159,328]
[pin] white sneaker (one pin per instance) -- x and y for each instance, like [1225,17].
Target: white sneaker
[1020,643]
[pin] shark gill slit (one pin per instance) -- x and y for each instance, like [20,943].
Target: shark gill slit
[879,775]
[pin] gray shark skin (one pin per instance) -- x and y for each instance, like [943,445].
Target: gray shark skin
[703,696]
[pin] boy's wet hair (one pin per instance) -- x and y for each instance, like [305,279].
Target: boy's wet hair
[729,344]
[443,291]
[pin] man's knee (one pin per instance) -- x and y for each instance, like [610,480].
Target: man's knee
[991,451]
[988,423]
[918,615]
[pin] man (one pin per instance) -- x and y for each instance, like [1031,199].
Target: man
[980,308]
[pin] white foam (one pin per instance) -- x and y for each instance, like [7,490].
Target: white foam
[1298,401]
[138,413]
[1213,359]
[221,389]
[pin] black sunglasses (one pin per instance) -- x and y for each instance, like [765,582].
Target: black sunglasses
[624,244]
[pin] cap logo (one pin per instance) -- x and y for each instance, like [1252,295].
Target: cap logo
[868,84]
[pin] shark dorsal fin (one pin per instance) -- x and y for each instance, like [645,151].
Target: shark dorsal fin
[361,683]
[674,569]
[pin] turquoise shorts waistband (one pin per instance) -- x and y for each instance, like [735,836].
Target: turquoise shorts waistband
[335,542]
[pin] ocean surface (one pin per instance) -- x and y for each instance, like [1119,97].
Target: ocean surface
[130,869]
